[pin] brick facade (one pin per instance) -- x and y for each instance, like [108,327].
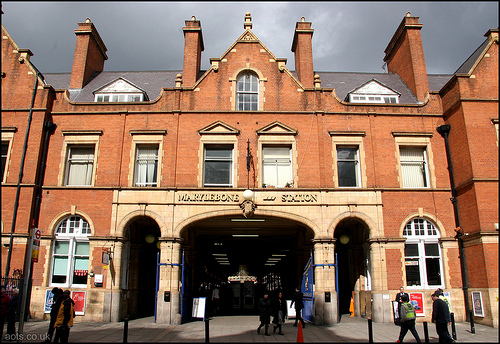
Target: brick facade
[309,113]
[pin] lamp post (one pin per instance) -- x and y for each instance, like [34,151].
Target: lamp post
[444,130]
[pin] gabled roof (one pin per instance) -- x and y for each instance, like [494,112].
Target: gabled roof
[466,67]
[374,86]
[119,85]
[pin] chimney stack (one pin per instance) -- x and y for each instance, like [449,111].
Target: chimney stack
[405,56]
[302,47]
[90,54]
[193,46]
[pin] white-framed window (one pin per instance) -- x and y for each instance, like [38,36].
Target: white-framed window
[79,165]
[146,165]
[348,166]
[218,165]
[423,263]
[371,98]
[247,92]
[414,167]
[119,97]
[5,155]
[70,254]
[277,166]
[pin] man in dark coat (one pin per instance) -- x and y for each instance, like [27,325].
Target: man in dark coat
[400,295]
[280,313]
[56,303]
[265,313]
[441,317]
[298,300]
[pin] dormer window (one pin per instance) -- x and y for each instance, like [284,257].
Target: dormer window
[119,90]
[119,97]
[373,92]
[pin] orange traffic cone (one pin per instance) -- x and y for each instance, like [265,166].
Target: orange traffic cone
[300,335]
[351,307]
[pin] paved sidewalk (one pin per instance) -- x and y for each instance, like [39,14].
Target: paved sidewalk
[243,329]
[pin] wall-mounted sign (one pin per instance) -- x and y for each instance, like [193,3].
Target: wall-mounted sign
[417,300]
[79,299]
[477,302]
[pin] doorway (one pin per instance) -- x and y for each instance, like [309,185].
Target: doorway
[143,234]
[239,259]
[354,281]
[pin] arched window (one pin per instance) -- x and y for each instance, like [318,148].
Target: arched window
[70,254]
[247,92]
[424,268]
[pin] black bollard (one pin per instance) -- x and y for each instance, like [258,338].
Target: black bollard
[370,331]
[207,335]
[125,330]
[453,327]
[472,328]
[426,333]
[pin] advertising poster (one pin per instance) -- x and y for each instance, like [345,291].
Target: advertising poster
[48,300]
[417,300]
[477,303]
[79,298]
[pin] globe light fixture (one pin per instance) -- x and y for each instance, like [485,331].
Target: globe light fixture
[150,238]
[248,194]
[344,239]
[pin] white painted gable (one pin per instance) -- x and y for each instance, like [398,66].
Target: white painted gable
[374,87]
[120,86]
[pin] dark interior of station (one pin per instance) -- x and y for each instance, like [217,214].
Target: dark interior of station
[242,258]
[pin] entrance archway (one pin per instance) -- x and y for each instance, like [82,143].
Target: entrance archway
[141,257]
[354,281]
[243,258]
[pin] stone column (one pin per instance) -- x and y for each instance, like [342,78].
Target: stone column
[325,313]
[169,312]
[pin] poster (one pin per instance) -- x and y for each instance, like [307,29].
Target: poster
[477,303]
[48,300]
[417,300]
[199,304]
[79,299]
[395,312]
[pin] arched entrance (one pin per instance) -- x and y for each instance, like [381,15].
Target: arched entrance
[140,258]
[352,254]
[244,257]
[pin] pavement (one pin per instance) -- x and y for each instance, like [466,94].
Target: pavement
[244,329]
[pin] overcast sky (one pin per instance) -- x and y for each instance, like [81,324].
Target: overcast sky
[348,36]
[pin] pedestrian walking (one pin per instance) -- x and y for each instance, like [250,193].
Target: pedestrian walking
[264,306]
[408,316]
[441,317]
[64,319]
[280,313]
[5,301]
[12,314]
[298,300]
[54,310]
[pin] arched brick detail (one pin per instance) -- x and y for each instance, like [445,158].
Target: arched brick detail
[434,219]
[60,216]
[349,215]
[120,230]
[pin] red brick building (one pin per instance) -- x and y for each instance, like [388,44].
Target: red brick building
[138,180]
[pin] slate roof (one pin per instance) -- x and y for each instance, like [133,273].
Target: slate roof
[467,65]
[153,81]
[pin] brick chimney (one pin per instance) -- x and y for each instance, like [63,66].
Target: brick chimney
[405,56]
[90,54]
[302,47]
[193,46]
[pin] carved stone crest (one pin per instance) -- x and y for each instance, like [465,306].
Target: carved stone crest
[248,208]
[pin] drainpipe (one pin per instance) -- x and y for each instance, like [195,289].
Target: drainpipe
[444,130]
[21,168]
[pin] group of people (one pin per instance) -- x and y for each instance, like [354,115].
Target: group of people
[9,312]
[277,308]
[62,314]
[440,316]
